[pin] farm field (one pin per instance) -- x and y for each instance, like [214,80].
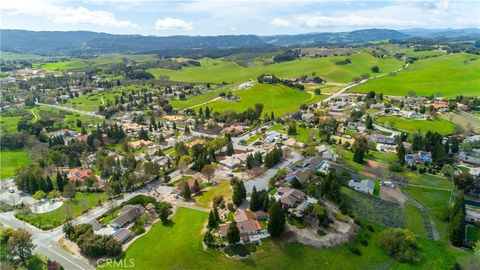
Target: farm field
[10,161]
[448,75]
[178,246]
[59,216]
[221,70]
[277,98]
[439,125]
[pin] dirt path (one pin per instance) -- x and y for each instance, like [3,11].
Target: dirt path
[204,103]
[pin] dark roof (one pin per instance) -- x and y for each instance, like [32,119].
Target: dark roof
[121,235]
[128,213]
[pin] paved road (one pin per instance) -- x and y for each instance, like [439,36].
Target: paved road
[261,182]
[72,110]
[341,91]
[388,130]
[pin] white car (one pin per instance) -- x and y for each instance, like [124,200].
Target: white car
[11,190]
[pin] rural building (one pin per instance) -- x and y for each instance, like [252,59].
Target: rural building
[365,186]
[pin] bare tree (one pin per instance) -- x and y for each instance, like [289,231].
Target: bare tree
[208,171]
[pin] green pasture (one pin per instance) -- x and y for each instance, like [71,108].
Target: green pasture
[439,125]
[277,98]
[448,75]
[221,70]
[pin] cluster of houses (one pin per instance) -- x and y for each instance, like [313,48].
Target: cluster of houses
[248,224]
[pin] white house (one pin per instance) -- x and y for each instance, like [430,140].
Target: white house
[365,186]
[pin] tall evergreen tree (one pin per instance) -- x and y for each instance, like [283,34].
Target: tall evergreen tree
[230,150]
[401,152]
[233,234]
[457,223]
[212,221]
[255,200]
[276,219]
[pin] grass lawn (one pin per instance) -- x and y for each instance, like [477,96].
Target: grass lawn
[436,203]
[224,189]
[221,70]
[464,119]
[305,134]
[10,161]
[194,100]
[439,125]
[448,75]
[277,98]
[110,216]
[473,233]
[414,220]
[385,157]
[59,216]
[254,138]
[9,123]
[178,246]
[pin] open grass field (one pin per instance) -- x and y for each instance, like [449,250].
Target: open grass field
[439,125]
[9,123]
[224,189]
[448,75]
[59,216]
[178,246]
[191,101]
[277,98]
[221,70]
[10,161]
[414,220]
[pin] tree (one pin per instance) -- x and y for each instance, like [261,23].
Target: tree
[255,200]
[375,69]
[276,219]
[20,244]
[369,122]
[208,238]
[292,129]
[401,152]
[360,147]
[39,195]
[164,210]
[233,234]
[215,213]
[212,221]
[186,191]
[400,244]
[69,191]
[230,150]
[456,230]
[317,91]
[208,171]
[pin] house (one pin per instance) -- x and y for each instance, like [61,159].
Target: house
[352,126]
[127,215]
[307,117]
[271,136]
[79,174]
[234,129]
[243,215]
[420,156]
[291,142]
[365,186]
[191,184]
[323,167]
[385,140]
[289,197]
[326,152]
[139,144]
[234,160]
[122,235]
[440,104]
[469,159]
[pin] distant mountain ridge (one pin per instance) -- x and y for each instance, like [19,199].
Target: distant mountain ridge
[71,43]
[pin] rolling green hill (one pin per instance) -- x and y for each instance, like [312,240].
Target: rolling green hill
[220,70]
[449,75]
[277,98]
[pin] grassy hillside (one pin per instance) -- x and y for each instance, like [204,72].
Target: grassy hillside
[448,75]
[277,98]
[220,70]
[12,160]
[439,125]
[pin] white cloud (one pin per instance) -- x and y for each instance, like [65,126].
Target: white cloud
[277,22]
[52,11]
[173,24]
[351,20]
[233,28]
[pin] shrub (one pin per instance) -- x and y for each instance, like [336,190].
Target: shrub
[364,242]
[355,250]
[370,228]
[321,232]
[395,167]
[400,244]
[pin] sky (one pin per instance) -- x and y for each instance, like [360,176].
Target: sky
[234,17]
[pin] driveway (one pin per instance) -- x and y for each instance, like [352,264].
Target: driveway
[261,182]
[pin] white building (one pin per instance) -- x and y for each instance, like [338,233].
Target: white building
[365,186]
